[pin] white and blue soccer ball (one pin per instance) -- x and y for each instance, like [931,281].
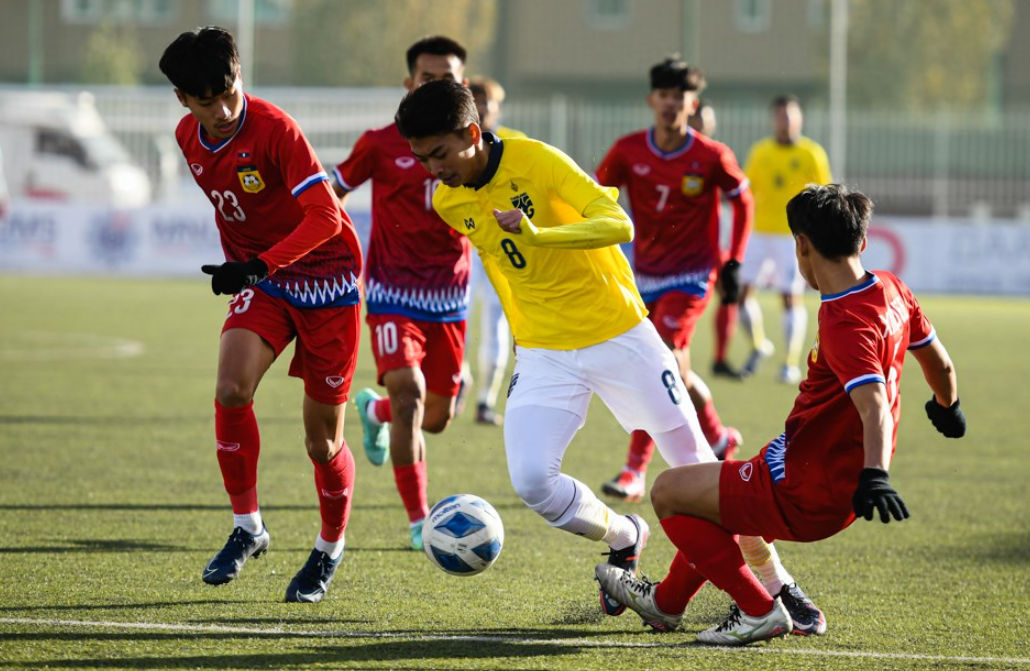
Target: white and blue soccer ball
[463,534]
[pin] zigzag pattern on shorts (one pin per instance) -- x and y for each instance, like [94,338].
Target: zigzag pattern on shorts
[651,287]
[454,299]
[319,293]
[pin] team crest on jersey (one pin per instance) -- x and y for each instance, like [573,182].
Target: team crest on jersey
[470,224]
[250,178]
[815,349]
[692,185]
[524,203]
[404,162]
[641,169]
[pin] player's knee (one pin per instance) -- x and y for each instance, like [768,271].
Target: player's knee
[533,487]
[233,394]
[660,492]
[437,417]
[322,450]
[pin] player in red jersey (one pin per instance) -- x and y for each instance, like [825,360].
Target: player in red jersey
[292,266]
[703,121]
[830,464]
[673,177]
[417,279]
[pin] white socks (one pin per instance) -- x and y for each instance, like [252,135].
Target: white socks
[251,522]
[332,548]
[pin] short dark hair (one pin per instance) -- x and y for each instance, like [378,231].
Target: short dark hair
[784,100]
[833,217]
[674,73]
[436,45]
[436,108]
[202,62]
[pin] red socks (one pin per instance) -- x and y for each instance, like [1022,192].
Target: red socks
[411,484]
[334,482]
[382,410]
[725,325]
[713,553]
[711,425]
[239,443]
[676,590]
[641,448]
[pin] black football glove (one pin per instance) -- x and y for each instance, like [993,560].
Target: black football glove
[950,421]
[874,492]
[232,277]
[729,279]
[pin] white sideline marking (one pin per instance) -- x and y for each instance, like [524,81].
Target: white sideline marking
[53,346]
[571,642]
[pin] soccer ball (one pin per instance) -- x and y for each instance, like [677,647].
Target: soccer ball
[463,534]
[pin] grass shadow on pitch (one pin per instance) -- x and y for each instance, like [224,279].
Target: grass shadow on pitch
[90,545]
[445,652]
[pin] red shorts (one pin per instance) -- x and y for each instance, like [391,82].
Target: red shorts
[438,348]
[327,339]
[676,314]
[751,505]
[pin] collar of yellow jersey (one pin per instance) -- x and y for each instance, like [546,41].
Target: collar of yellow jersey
[492,163]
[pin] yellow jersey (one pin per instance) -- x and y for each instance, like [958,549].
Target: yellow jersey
[509,133]
[563,281]
[778,172]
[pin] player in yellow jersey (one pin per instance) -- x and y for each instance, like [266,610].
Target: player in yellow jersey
[779,167]
[494,333]
[548,236]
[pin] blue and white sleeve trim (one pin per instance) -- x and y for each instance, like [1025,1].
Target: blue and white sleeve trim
[341,181]
[776,456]
[309,182]
[741,188]
[863,379]
[925,341]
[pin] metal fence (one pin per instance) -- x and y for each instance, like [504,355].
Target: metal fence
[940,164]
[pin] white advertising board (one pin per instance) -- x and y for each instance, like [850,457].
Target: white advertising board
[948,256]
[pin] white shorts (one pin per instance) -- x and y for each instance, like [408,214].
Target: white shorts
[770,262]
[635,374]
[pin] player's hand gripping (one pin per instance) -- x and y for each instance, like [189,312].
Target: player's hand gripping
[510,221]
[729,280]
[232,277]
[874,492]
[949,420]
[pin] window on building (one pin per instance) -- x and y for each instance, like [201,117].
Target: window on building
[145,12]
[608,14]
[266,12]
[753,16]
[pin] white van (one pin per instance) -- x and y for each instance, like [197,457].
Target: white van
[56,146]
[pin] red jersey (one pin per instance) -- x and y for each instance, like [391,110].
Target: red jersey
[416,266]
[863,335]
[272,200]
[674,201]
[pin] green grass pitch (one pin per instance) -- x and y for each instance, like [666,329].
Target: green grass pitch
[111,503]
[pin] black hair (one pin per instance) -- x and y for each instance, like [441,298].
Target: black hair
[833,217]
[436,108]
[674,73]
[202,62]
[784,100]
[435,45]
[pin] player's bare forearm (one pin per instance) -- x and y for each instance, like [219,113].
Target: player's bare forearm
[939,372]
[877,423]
